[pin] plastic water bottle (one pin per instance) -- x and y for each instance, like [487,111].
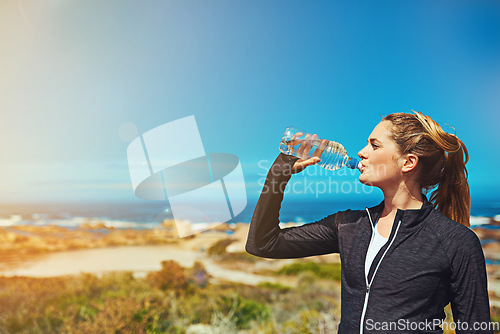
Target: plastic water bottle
[305,145]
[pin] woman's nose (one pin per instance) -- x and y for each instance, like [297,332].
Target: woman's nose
[362,153]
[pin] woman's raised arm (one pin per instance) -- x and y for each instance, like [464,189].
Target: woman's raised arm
[267,239]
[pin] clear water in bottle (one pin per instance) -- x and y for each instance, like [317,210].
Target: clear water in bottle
[305,145]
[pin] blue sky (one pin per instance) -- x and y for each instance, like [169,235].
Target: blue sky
[73,73]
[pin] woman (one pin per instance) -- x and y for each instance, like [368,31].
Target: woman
[405,259]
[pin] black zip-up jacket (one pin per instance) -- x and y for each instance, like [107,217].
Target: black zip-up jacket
[428,261]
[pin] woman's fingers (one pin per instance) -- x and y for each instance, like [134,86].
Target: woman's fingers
[321,148]
[294,142]
[303,150]
[300,164]
[306,145]
[302,147]
[297,135]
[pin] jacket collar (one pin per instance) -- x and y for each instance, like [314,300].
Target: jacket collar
[410,219]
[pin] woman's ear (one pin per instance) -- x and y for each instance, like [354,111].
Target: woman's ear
[410,163]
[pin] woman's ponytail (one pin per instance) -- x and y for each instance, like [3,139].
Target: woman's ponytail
[442,160]
[452,195]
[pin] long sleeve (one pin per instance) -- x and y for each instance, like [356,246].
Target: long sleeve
[469,292]
[267,239]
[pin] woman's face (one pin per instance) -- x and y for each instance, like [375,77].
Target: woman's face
[380,159]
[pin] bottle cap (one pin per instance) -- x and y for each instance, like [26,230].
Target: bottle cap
[353,163]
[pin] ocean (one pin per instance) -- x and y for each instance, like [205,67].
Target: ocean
[147,214]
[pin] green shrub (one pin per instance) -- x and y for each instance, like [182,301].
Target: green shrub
[311,321]
[274,286]
[242,311]
[320,270]
[170,277]
[197,276]
[238,257]
[219,248]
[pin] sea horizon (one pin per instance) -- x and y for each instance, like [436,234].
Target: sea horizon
[147,214]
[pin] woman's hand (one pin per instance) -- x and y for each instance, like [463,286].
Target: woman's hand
[303,151]
[300,164]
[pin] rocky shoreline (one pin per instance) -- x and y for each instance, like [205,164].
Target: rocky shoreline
[489,234]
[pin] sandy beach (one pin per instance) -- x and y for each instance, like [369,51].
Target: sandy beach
[49,251]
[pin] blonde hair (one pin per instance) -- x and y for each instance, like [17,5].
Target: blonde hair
[442,159]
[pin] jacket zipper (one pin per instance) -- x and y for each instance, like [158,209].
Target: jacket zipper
[368,284]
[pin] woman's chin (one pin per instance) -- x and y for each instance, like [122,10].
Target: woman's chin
[365,181]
